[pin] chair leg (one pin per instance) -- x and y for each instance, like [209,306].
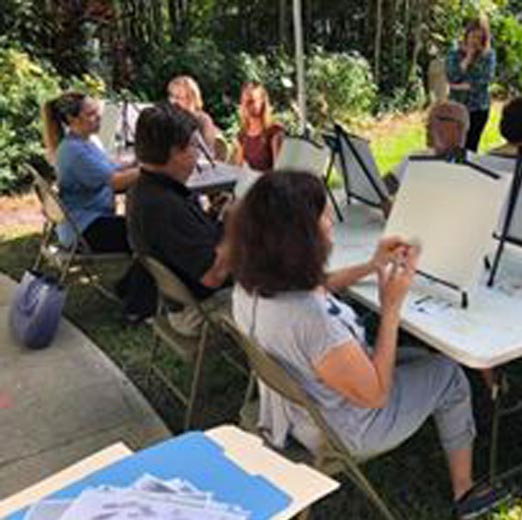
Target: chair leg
[44,243]
[196,376]
[98,285]
[495,398]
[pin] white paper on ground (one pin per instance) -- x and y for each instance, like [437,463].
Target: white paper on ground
[125,504]
[48,510]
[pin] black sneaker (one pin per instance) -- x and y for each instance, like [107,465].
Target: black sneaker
[480,499]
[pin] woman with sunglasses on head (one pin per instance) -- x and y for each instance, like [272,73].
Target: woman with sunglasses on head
[470,69]
[88,180]
[373,396]
[87,177]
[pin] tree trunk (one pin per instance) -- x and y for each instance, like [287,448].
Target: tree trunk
[377,42]
[283,41]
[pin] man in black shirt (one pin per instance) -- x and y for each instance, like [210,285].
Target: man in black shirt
[165,220]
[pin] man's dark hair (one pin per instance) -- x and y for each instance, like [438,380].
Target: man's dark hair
[161,127]
[276,244]
[511,122]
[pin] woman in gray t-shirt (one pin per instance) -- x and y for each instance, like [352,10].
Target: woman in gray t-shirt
[374,397]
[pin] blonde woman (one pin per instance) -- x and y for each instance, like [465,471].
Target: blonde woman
[259,139]
[185,92]
[470,69]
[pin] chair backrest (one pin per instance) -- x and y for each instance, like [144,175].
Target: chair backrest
[169,285]
[221,148]
[300,153]
[55,212]
[360,171]
[52,208]
[273,375]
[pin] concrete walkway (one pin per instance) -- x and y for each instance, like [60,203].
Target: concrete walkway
[62,404]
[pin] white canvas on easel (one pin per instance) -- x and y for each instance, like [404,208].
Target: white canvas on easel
[358,183]
[452,210]
[300,154]
[110,120]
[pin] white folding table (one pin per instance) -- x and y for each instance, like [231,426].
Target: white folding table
[486,334]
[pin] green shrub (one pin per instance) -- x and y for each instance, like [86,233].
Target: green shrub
[507,31]
[199,58]
[403,99]
[339,86]
[25,85]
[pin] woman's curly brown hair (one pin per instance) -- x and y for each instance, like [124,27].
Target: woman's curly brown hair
[276,243]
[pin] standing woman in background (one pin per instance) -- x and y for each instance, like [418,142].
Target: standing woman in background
[470,69]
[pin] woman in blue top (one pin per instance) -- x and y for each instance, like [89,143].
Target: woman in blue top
[87,178]
[87,181]
[470,69]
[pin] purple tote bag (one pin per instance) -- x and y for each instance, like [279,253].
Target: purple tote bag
[36,309]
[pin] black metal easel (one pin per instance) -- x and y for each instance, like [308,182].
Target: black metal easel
[510,211]
[126,128]
[341,136]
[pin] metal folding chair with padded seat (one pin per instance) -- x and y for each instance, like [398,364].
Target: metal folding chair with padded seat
[303,154]
[80,254]
[333,456]
[189,349]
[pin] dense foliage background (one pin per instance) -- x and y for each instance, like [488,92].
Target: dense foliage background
[362,57]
